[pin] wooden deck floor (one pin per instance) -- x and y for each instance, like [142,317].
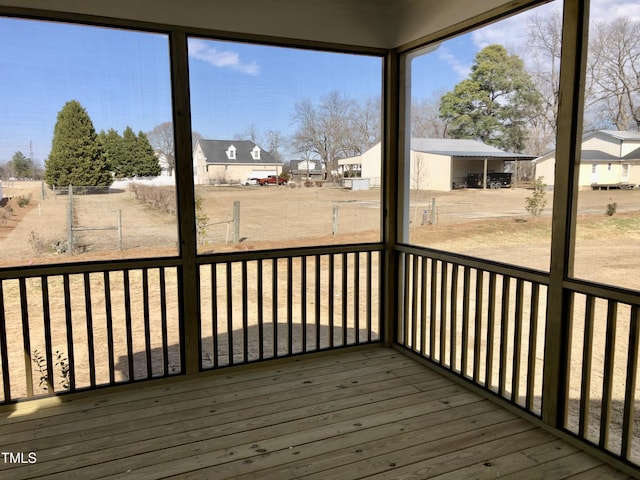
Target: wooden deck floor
[371,413]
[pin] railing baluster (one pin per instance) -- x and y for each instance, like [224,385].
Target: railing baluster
[414,303]
[344,298]
[356,297]
[318,300]
[454,316]
[403,332]
[289,305]
[607,381]
[630,388]
[147,321]
[443,311]
[491,325]
[517,342]
[274,305]
[4,350]
[303,301]
[260,287]
[48,348]
[433,308]
[26,337]
[214,312]
[477,329]
[89,319]
[163,321]
[504,338]
[229,278]
[369,295]
[422,295]
[109,321]
[245,313]
[587,358]
[465,320]
[127,309]
[533,345]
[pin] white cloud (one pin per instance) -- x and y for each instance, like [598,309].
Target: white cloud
[201,50]
[461,69]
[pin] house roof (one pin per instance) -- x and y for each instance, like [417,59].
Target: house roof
[462,148]
[620,135]
[215,152]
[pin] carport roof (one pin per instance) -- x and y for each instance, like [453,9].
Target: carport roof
[463,148]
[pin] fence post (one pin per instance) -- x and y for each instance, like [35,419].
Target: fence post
[236,221]
[335,221]
[433,211]
[119,220]
[70,220]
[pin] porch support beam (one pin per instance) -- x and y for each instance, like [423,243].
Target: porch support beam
[185,208]
[568,145]
[393,102]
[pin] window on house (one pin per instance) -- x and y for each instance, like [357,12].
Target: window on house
[327,110]
[594,168]
[474,190]
[113,196]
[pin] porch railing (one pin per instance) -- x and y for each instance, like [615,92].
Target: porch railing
[259,306]
[486,321]
[74,327]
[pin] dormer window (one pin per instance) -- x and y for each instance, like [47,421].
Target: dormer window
[255,153]
[231,152]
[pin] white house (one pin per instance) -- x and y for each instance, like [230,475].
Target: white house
[609,158]
[230,161]
[439,163]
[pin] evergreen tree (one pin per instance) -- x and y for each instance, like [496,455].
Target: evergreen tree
[127,166]
[147,164]
[494,103]
[20,166]
[76,157]
[112,144]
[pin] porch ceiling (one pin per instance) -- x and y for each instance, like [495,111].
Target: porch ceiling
[367,23]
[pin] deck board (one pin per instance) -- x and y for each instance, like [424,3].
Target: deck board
[367,413]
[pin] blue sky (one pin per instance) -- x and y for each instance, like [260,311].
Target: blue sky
[122,77]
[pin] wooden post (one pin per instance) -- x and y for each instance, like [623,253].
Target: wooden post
[484,173]
[236,221]
[568,145]
[119,220]
[334,228]
[433,211]
[186,211]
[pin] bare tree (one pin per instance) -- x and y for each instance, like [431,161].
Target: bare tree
[366,125]
[161,139]
[614,71]
[326,130]
[425,118]
[543,64]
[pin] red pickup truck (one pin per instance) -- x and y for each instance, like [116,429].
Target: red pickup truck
[272,180]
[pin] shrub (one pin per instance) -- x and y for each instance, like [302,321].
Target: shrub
[38,246]
[535,203]
[611,208]
[23,201]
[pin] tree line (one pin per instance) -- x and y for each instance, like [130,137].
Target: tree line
[80,156]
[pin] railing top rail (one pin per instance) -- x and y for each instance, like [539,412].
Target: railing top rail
[287,253]
[609,292]
[86,267]
[523,273]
